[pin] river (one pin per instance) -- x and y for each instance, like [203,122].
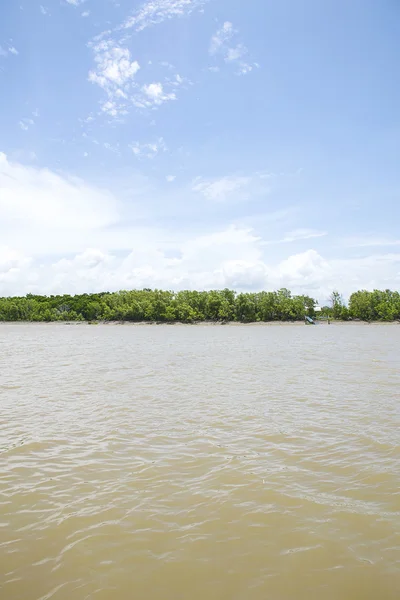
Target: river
[199,462]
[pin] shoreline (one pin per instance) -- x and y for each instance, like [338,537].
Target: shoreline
[200,323]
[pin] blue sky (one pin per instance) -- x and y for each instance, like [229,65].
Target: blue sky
[199,144]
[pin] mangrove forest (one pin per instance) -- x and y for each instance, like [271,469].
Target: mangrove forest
[193,306]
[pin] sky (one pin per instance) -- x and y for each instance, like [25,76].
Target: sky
[199,144]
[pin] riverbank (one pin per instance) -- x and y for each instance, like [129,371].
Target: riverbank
[201,323]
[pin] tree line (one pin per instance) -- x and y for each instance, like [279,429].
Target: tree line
[192,306]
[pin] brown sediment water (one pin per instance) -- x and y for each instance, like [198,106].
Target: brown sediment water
[202,463]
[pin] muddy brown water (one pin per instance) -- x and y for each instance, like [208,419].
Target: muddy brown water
[198,462]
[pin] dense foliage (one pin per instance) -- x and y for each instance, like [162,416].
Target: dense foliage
[157,305]
[375,306]
[191,306]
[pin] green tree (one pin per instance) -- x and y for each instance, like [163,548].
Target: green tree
[361,306]
[336,302]
[188,306]
[246,308]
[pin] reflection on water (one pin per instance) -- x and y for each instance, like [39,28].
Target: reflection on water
[249,462]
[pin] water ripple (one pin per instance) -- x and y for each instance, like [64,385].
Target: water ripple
[175,462]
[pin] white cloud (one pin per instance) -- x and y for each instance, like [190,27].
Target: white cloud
[85,13]
[10,50]
[88,119]
[153,94]
[178,81]
[23,155]
[231,187]
[303,234]
[114,66]
[75,2]
[149,150]
[220,189]
[153,91]
[304,269]
[236,53]
[369,242]
[223,44]
[309,270]
[115,148]
[230,258]
[165,63]
[232,243]
[170,178]
[220,39]
[115,70]
[43,10]
[90,265]
[26,123]
[114,73]
[245,68]
[39,208]
[112,108]
[43,212]
[60,234]
[11,259]
[153,12]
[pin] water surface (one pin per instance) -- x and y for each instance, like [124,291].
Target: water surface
[201,462]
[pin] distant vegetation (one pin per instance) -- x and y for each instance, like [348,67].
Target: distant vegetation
[192,306]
